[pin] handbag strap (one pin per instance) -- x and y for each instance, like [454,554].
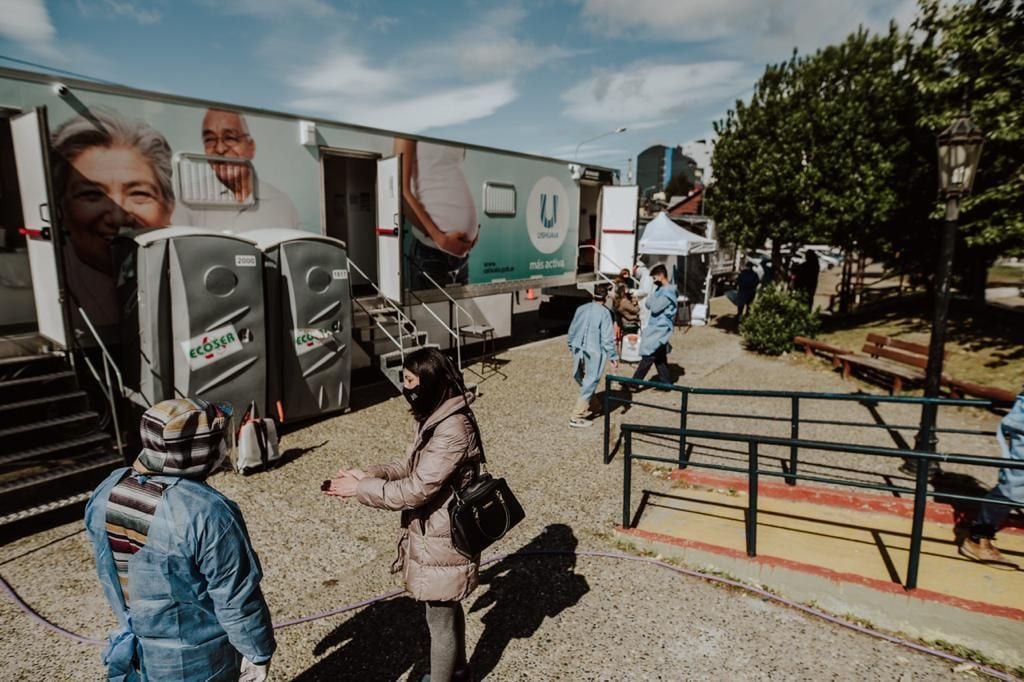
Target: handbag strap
[480,463]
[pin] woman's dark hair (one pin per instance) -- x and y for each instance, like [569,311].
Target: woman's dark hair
[659,269]
[439,380]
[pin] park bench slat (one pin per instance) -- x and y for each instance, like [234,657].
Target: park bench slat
[918,361]
[898,372]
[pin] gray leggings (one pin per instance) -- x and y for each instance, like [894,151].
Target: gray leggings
[447,625]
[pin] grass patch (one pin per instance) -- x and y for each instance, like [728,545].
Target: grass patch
[1005,275]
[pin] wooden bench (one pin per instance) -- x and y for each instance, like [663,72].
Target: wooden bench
[812,345]
[895,361]
[899,362]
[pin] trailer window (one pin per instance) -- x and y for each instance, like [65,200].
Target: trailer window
[499,199]
[207,181]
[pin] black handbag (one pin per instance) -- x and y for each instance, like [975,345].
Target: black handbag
[483,511]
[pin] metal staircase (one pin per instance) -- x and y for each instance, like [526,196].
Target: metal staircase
[385,332]
[53,448]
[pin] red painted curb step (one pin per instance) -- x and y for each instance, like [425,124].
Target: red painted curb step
[837,576]
[937,512]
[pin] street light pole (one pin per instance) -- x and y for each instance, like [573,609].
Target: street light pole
[576,154]
[959,152]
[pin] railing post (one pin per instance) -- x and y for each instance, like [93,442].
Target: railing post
[627,464]
[684,401]
[917,529]
[752,499]
[607,419]
[794,433]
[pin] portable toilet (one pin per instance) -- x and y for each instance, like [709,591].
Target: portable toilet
[195,310]
[309,310]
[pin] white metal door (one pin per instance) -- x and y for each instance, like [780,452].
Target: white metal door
[28,131]
[389,234]
[617,227]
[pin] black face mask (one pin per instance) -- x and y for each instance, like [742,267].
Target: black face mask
[415,398]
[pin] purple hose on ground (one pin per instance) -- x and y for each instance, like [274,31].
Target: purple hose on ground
[998,674]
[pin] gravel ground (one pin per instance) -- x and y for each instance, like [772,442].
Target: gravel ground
[540,618]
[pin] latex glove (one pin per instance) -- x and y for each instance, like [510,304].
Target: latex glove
[253,672]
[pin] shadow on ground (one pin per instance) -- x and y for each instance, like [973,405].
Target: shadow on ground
[522,592]
[389,639]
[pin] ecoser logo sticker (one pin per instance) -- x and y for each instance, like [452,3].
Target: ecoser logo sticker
[212,346]
[307,340]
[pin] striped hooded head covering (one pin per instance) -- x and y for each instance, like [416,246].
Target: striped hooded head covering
[183,437]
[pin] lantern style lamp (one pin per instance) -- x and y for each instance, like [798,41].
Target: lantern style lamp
[959,152]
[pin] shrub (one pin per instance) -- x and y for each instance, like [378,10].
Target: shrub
[775,317]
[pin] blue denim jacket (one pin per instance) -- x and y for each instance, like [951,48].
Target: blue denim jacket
[196,603]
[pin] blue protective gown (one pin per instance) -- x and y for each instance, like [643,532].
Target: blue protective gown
[196,604]
[1011,441]
[592,344]
[658,332]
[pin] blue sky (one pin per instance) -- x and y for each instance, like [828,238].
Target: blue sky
[536,76]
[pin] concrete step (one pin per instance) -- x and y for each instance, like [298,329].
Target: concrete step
[850,558]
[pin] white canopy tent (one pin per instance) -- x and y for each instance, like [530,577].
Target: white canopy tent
[663,237]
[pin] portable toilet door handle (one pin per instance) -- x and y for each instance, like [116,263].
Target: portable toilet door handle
[44,213]
[42,233]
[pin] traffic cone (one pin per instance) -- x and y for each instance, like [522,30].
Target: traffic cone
[531,295]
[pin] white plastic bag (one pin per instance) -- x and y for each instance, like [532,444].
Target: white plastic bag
[630,347]
[257,442]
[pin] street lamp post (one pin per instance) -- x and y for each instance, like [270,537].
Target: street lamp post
[959,148]
[576,154]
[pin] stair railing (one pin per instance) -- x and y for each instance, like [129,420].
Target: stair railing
[105,384]
[597,264]
[403,319]
[454,333]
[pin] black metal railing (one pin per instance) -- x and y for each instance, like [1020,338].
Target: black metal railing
[754,473]
[795,400]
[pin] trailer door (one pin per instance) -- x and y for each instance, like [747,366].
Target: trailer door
[617,227]
[389,234]
[28,131]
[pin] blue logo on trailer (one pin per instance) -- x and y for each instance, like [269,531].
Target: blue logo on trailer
[553,220]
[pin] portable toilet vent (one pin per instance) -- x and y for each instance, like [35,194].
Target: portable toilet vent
[309,308]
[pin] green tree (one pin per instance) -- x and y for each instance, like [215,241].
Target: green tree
[814,155]
[758,166]
[973,54]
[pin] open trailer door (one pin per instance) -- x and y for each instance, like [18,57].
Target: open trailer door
[617,227]
[29,137]
[389,220]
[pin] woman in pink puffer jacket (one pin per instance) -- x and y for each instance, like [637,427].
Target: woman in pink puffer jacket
[443,456]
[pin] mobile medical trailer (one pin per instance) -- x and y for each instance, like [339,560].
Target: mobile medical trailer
[438,234]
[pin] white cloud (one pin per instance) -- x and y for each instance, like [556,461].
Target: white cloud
[268,9]
[383,23]
[349,75]
[644,96]
[762,27]
[488,46]
[415,114]
[120,8]
[27,22]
